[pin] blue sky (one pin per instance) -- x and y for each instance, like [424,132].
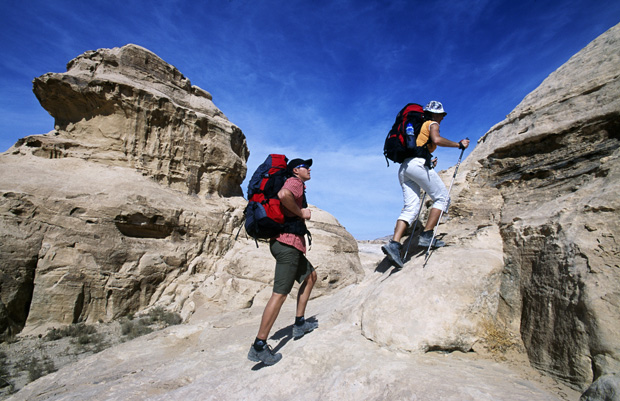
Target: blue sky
[315,79]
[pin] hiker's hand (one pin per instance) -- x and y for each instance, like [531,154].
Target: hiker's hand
[464,143]
[305,214]
[434,162]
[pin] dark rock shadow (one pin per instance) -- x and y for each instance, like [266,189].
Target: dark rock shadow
[384,265]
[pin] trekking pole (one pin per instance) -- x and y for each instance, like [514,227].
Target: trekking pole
[456,169]
[414,226]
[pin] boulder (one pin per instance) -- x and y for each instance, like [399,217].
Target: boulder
[605,388]
[134,201]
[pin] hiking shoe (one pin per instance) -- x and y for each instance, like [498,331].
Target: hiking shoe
[266,356]
[307,327]
[392,250]
[425,240]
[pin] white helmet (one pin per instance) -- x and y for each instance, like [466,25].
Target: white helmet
[435,107]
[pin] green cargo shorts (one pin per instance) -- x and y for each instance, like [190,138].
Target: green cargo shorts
[291,266]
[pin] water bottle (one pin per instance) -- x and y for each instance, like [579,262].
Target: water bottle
[410,136]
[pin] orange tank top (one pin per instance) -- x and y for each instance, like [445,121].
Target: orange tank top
[425,135]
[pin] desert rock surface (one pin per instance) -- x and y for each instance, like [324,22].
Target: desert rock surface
[521,305]
[206,360]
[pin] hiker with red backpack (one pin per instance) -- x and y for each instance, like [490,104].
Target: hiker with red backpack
[416,173]
[288,248]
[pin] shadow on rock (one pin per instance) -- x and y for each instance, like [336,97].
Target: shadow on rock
[283,336]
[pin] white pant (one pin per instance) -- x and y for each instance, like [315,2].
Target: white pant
[413,175]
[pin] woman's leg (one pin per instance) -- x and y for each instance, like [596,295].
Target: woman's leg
[411,196]
[431,183]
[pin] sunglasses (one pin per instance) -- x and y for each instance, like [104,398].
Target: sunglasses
[302,166]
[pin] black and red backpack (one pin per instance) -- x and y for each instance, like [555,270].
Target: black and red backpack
[398,146]
[263,214]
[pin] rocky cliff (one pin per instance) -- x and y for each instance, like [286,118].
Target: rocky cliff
[550,173]
[554,166]
[133,201]
[532,256]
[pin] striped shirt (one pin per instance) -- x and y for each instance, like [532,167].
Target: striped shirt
[296,186]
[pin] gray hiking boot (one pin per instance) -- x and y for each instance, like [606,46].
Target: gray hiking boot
[266,356]
[392,250]
[307,327]
[425,240]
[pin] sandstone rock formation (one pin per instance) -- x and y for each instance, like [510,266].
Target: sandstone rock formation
[132,201]
[532,255]
[555,163]
[127,107]
[530,271]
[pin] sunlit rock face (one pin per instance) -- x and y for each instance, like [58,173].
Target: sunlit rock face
[531,235]
[127,107]
[555,164]
[134,200]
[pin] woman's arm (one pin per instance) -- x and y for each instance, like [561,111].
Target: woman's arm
[440,141]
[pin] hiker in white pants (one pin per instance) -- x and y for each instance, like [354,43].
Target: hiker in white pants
[413,176]
[416,173]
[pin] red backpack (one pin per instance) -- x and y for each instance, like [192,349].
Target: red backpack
[263,214]
[398,146]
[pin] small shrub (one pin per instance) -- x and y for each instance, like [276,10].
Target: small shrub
[133,329]
[159,314]
[4,382]
[83,339]
[4,373]
[48,365]
[95,341]
[99,344]
[74,330]
[172,319]
[34,369]
[497,339]
[53,334]
[21,364]
[126,327]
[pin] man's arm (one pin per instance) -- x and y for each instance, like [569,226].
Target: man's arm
[288,201]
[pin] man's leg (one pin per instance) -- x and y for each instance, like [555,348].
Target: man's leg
[301,326]
[286,263]
[260,351]
[304,293]
[270,314]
